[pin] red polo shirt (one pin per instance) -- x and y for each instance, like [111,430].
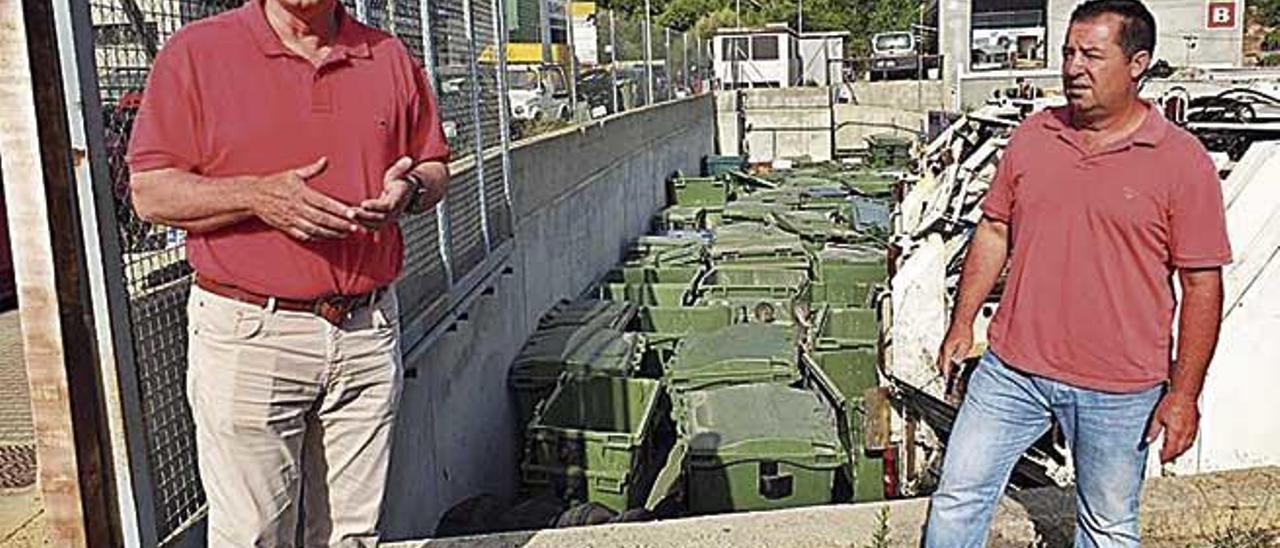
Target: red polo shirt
[1095,238]
[226,98]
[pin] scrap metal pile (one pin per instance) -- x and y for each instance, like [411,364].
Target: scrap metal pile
[935,219]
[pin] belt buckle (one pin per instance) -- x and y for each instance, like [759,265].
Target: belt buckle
[334,308]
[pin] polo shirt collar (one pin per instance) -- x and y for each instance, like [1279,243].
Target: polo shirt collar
[1153,129]
[349,41]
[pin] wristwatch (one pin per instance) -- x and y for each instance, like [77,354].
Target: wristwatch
[417,191]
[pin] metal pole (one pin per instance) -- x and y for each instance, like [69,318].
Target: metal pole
[613,59]
[684,55]
[648,54]
[544,29]
[104,260]
[362,11]
[666,62]
[504,104]
[573,61]
[468,18]
[800,20]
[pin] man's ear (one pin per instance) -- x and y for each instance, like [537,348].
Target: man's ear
[1138,64]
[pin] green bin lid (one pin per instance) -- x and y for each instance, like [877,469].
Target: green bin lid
[758,422]
[744,347]
[580,349]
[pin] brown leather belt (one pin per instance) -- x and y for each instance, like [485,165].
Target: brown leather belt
[333,308]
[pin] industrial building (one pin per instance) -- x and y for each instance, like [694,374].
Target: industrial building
[989,43]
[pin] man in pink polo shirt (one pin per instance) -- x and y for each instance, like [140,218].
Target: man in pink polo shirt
[287,138]
[1094,208]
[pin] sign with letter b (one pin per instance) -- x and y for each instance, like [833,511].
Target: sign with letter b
[1222,15]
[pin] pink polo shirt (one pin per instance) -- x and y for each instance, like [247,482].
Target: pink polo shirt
[1095,239]
[226,98]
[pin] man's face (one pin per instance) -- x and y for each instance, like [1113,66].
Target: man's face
[1097,75]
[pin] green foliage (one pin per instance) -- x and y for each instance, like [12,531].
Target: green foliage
[1265,12]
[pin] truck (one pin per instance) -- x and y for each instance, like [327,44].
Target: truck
[901,55]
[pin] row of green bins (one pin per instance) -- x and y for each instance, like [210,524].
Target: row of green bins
[758,447]
[713,165]
[873,184]
[817,227]
[889,150]
[646,274]
[755,244]
[847,274]
[681,217]
[681,320]
[749,212]
[648,294]
[583,351]
[843,375]
[593,313]
[591,441]
[670,250]
[756,294]
[737,354]
[847,326]
[699,191]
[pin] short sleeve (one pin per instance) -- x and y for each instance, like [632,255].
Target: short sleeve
[998,204]
[426,137]
[166,131]
[1197,219]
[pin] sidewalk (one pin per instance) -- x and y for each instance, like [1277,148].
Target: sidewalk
[20,509]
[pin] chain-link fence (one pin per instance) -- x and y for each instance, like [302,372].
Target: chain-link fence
[459,42]
[644,63]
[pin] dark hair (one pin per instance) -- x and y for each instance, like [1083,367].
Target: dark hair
[1137,25]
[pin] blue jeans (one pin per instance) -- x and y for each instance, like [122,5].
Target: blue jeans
[1003,413]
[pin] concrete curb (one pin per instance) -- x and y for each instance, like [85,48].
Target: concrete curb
[1176,511]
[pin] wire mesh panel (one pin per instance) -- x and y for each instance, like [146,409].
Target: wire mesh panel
[127,34]
[628,39]
[425,279]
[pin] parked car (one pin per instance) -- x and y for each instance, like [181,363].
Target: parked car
[537,92]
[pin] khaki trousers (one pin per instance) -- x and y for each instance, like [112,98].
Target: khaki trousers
[293,418]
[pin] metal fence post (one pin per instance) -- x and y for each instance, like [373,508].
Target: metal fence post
[648,54]
[504,103]
[613,59]
[469,22]
[666,62]
[573,60]
[362,11]
[441,210]
[684,56]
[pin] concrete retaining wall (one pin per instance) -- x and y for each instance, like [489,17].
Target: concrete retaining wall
[796,122]
[579,196]
[1176,512]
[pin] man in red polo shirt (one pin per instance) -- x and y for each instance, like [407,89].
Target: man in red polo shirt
[1094,208]
[287,138]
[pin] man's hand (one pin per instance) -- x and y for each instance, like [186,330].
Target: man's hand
[955,348]
[286,202]
[387,207]
[1178,416]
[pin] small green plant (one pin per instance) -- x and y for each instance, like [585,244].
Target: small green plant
[882,536]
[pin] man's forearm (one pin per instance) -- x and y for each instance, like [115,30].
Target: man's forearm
[1198,325]
[191,202]
[982,266]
